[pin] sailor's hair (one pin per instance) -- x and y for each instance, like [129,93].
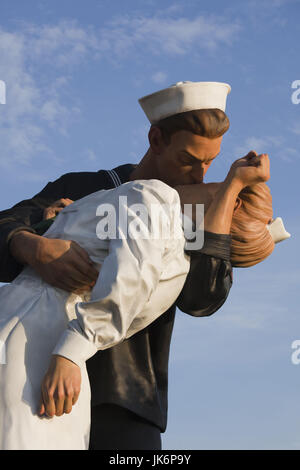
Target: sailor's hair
[210,123]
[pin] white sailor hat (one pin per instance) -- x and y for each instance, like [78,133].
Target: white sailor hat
[183,97]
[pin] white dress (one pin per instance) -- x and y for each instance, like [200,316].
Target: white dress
[139,279]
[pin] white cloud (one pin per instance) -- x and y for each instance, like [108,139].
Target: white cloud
[296,128]
[272,145]
[91,155]
[65,42]
[259,144]
[31,61]
[159,77]
[264,14]
[32,102]
[269,4]
[166,35]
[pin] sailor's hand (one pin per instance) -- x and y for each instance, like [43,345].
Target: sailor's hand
[60,263]
[251,169]
[60,387]
[64,264]
[56,207]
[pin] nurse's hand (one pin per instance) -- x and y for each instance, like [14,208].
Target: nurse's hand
[251,169]
[60,387]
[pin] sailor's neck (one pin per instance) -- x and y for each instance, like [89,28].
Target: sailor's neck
[146,169]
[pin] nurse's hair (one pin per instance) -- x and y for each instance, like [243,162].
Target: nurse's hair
[251,241]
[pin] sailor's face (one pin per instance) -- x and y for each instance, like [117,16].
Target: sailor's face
[187,158]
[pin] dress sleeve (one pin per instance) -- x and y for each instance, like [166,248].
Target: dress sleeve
[129,275]
[210,277]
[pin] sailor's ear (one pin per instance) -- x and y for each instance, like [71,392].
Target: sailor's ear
[238,203]
[156,140]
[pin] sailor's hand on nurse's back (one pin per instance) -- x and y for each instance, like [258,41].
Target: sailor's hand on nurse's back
[60,263]
[56,207]
[251,169]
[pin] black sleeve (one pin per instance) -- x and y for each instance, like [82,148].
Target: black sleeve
[29,212]
[21,217]
[210,277]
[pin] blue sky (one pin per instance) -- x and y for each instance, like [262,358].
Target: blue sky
[74,71]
